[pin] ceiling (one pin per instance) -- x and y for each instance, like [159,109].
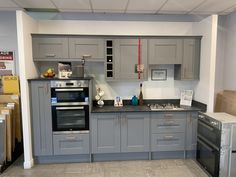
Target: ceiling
[205,7]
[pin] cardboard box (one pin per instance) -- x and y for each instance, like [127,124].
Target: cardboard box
[13,108]
[8,113]
[14,99]
[10,85]
[226,102]
[3,143]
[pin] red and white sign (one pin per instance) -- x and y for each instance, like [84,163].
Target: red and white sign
[7,63]
[6,55]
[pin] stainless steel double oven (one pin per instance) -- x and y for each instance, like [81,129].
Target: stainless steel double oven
[70,105]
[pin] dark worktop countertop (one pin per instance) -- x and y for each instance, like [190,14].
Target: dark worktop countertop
[55,78]
[144,108]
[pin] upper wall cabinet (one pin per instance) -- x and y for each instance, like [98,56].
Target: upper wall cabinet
[50,48]
[126,59]
[165,51]
[69,48]
[91,48]
[189,69]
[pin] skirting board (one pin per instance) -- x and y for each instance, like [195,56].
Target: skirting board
[114,157]
[120,156]
[62,159]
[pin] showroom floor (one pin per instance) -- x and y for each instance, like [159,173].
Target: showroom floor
[154,168]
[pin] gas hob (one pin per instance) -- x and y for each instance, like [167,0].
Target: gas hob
[160,107]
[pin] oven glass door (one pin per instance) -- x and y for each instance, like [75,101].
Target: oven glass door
[208,157]
[209,133]
[70,118]
[65,95]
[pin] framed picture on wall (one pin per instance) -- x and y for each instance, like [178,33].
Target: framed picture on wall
[159,74]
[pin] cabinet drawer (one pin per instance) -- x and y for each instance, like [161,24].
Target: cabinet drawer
[48,48]
[168,125]
[168,142]
[71,144]
[168,115]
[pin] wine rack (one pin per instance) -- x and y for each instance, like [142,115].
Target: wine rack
[109,65]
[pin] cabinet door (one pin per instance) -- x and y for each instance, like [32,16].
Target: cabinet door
[93,47]
[135,132]
[65,144]
[191,59]
[50,48]
[191,133]
[165,51]
[41,118]
[126,58]
[105,133]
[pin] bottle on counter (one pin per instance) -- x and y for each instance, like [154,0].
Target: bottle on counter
[141,95]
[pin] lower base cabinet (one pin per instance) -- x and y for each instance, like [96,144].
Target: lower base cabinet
[115,132]
[168,131]
[67,144]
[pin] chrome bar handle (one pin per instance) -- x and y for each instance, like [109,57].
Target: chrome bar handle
[50,55]
[69,108]
[69,90]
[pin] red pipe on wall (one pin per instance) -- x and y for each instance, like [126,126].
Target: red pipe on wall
[139,56]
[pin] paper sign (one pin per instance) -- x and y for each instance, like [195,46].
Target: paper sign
[186,98]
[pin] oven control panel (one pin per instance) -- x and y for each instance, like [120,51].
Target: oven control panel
[69,83]
[210,121]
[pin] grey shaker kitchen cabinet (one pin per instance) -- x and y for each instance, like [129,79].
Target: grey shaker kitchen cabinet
[165,51]
[105,130]
[191,133]
[50,48]
[168,131]
[41,118]
[115,132]
[71,143]
[126,57]
[92,48]
[134,132]
[190,67]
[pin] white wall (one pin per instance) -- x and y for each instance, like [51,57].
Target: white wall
[230,52]
[25,26]
[204,89]
[220,55]
[8,37]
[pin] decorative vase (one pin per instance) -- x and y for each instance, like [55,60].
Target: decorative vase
[134,101]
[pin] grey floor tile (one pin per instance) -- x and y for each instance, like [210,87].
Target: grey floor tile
[145,168]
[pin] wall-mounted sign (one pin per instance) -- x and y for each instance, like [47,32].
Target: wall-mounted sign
[6,55]
[7,66]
